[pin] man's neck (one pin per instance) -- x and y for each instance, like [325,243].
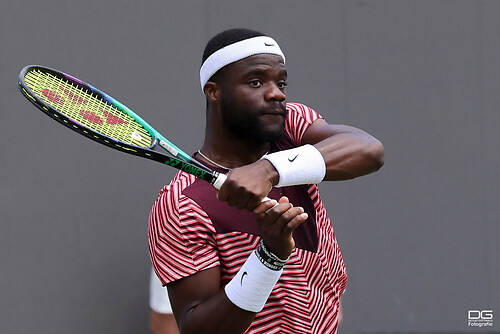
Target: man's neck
[232,152]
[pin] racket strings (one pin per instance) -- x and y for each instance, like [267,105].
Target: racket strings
[87,108]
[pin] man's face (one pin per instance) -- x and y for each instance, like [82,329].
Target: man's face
[253,98]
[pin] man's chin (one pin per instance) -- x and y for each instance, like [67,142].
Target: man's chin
[273,135]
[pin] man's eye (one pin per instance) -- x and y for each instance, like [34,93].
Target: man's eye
[282,84]
[256,83]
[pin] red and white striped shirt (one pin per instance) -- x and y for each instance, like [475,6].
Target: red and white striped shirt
[190,231]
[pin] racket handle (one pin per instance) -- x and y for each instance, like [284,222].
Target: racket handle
[221,178]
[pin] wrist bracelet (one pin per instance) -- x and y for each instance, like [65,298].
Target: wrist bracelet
[269,259]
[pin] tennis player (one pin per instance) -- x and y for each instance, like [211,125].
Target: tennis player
[231,263]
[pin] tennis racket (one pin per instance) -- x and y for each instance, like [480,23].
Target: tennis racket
[94,114]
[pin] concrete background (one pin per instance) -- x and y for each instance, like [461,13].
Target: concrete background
[420,238]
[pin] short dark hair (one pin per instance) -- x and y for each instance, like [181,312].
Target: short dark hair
[226,38]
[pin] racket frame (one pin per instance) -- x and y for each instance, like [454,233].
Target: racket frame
[176,158]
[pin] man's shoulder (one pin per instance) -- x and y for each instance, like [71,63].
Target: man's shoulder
[297,107]
[298,119]
[298,112]
[176,186]
[176,200]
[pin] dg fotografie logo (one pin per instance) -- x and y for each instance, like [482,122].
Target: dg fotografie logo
[480,318]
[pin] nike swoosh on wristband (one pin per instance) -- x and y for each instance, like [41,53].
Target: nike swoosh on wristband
[268,44]
[243,275]
[292,160]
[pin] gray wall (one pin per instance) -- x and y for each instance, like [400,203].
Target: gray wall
[419,237]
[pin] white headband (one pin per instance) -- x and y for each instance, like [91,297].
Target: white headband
[237,51]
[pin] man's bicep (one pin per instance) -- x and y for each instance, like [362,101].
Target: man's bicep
[320,130]
[189,292]
[200,305]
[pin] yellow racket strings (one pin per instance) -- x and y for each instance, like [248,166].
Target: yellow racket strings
[87,108]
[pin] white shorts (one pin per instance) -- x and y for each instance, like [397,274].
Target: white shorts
[158,295]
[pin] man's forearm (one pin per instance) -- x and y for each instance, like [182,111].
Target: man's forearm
[350,155]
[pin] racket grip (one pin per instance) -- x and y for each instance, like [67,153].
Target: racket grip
[221,178]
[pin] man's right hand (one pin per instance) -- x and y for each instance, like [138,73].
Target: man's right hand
[246,186]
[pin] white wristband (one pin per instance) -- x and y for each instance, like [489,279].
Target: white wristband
[300,165]
[252,285]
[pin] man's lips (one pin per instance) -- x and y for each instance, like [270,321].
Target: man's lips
[274,113]
[278,110]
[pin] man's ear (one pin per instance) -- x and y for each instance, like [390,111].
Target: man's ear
[212,92]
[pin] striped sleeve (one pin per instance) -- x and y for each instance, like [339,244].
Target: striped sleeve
[299,118]
[181,236]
